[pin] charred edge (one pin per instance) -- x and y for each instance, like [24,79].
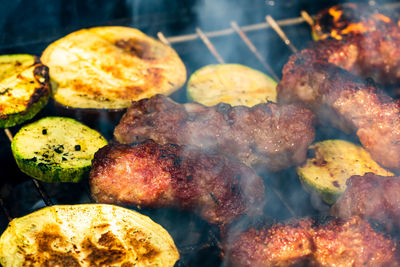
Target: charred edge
[41,74]
[137,48]
[5,91]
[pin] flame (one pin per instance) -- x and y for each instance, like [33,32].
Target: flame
[335,13]
[357,22]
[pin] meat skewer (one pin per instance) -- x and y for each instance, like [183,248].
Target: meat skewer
[346,102]
[266,136]
[350,242]
[372,197]
[153,175]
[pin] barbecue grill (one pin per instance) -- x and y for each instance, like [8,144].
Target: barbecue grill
[202,33]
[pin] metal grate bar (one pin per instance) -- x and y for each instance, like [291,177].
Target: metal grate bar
[87,190]
[253,49]
[279,195]
[209,45]
[42,193]
[281,33]
[5,210]
[40,189]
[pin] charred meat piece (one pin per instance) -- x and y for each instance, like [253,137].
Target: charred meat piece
[264,136]
[352,18]
[371,196]
[350,242]
[374,54]
[153,175]
[346,102]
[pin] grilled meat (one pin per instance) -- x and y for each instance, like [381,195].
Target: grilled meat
[373,54]
[346,102]
[350,242]
[153,175]
[264,136]
[371,196]
[350,19]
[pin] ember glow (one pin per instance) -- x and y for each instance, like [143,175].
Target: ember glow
[347,19]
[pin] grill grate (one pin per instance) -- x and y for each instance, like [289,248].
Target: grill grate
[211,241]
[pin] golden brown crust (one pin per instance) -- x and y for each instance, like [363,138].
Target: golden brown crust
[153,175]
[86,235]
[346,102]
[108,67]
[350,242]
[372,197]
[266,136]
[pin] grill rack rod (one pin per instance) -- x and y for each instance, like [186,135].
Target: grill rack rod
[42,192]
[253,27]
[190,37]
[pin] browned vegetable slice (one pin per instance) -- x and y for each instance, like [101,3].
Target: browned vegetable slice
[330,163]
[109,67]
[24,88]
[86,235]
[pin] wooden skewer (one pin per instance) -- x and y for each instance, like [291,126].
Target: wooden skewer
[209,45]
[163,39]
[9,134]
[253,49]
[307,17]
[281,33]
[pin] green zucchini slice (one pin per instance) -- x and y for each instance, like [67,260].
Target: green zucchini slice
[24,88]
[234,84]
[330,163]
[56,149]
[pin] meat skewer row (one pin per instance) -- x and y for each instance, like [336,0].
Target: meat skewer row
[350,242]
[372,197]
[346,102]
[153,175]
[264,136]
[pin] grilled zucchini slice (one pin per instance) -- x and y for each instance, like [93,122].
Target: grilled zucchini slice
[56,149]
[109,67]
[234,84]
[330,163]
[24,88]
[86,235]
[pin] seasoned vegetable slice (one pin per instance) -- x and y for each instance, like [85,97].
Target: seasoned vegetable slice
[109,67]
[330,163]
[86,235]
[56,149]
[230,83]
[24,88]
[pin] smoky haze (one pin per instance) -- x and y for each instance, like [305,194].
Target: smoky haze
[34,24]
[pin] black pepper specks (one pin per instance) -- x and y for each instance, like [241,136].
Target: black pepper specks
[44,131]
[59,149]
[77,148]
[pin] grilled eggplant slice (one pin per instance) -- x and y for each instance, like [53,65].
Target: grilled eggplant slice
[24,88]
[56,149]
[86,235]
[234,84]
[330,163]
[109,67]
